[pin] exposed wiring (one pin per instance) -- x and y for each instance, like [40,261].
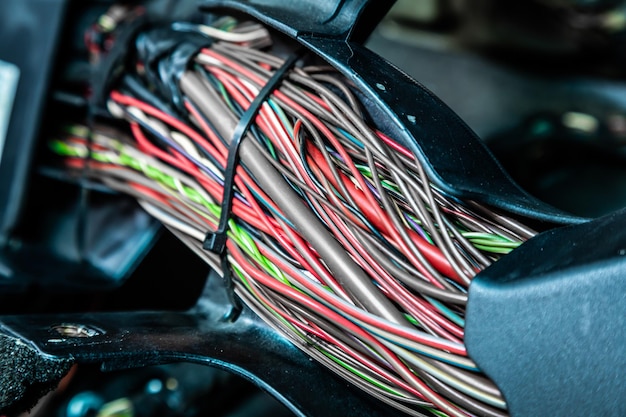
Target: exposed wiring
[337,238]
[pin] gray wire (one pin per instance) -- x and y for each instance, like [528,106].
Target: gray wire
[471,378]
[396,222]
[465,401]
[409,279]
[343,267]
[352,101]
[416,204]
[338,370]
[340,107]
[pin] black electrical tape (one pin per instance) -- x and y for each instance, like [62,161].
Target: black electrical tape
[135,86]
[108,70]
[216,241]
[166,53]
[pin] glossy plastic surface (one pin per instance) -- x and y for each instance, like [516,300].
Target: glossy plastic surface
[247,347]
[453,156]
[547,322]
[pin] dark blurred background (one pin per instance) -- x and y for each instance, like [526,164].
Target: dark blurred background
[542,82]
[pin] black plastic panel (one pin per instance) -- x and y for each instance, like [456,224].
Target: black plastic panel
[337,19]
[547,322]
[248,348]
[453,156]
[35,26]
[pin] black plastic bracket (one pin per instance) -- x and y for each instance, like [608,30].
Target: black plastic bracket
[340,20]
[454,158]
[547,322]
[248,348]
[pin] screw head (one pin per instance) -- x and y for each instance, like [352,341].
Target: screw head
[72,330]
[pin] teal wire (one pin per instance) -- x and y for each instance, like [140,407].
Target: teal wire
[351,138]
[455,318]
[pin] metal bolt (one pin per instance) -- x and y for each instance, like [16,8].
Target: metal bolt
[76,330]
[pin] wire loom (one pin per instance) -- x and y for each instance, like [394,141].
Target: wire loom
[337,238]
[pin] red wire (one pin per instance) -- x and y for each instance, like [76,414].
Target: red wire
[370,203]
[305,113]
[331,316]
[266,123]
[432,253]
[217,145]
[395,145]
[193,135]
[235,88]
[303,326]
[374,321]
[147,147]
[400,294]
[375,213]
[374,366]
[341,314]
[240,209]
[250,216]
[129,101]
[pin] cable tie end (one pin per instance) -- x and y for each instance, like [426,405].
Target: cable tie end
[215,242]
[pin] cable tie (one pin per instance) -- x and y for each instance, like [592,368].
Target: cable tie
[216,241]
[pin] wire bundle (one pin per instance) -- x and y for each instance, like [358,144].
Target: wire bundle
[337,238]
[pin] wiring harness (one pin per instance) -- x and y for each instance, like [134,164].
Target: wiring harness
[336,236]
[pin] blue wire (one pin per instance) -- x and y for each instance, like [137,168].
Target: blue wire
[351,138]
[455,318]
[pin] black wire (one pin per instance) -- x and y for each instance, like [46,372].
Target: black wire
[135,86]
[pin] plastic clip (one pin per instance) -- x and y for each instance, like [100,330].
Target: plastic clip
[216,241]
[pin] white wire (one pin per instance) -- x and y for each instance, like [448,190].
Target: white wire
[238,37]
[444,377]
[171,221]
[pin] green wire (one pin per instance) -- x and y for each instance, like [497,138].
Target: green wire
[300,334]
[270,146]
[282,116]
[329,355]
[437,412]
[358,373]
[424,232]
[239,235]
[226,23]
[499,251]
[225,94]
[245,241]
[495,243]
[491,242]
[412,320]
[488,236]
[77,130]
[385,182]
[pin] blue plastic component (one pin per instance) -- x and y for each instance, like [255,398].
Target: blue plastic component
[547,322]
